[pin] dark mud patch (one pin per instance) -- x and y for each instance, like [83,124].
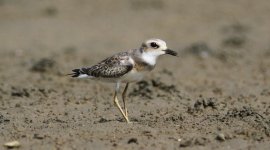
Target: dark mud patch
[252,118]
[28,92]
[153,88]
[143,89]
[265,92]
[199,49]
[203,103]
[43,65]
[3,119]
[230,50]
[198,141]
[221,120]
[234,41]
[103,120]
[20,92]
[133,141]
[235,28]
[50,11]
[235,35]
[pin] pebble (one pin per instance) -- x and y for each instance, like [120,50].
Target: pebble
[220,137]
[12,144]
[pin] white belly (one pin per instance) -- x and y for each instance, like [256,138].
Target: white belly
[132,76]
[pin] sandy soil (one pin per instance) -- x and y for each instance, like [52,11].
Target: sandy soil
[216,95]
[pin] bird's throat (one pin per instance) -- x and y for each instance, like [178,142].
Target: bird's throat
[149,59]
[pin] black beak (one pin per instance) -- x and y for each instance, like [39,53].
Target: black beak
[170,52]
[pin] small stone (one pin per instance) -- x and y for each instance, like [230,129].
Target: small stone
[12,144]
[220,137]
[133,140]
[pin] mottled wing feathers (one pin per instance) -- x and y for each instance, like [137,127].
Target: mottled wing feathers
[112,67]
[104,71]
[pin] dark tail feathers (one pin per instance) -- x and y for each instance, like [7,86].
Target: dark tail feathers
[77,72]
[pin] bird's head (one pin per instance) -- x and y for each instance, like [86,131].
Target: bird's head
[156,47]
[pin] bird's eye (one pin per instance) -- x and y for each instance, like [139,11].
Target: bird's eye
[154,45]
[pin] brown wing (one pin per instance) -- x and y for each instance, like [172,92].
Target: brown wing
[112,67]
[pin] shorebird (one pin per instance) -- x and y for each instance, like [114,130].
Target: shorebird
[126,67]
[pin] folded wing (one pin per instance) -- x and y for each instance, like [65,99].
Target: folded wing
[112,67]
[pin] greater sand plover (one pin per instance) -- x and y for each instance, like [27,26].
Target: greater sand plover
[126,67]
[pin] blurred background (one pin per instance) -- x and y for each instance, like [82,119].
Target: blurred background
[37,25]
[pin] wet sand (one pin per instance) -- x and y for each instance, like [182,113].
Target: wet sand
[215,95]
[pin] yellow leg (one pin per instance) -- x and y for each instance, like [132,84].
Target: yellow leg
[124,98]
[119,107]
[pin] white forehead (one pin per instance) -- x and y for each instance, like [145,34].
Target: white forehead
[158,41]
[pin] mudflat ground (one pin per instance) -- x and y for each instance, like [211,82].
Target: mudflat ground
[215,95]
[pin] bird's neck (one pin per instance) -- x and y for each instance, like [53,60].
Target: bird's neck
[149,59]
[144,60]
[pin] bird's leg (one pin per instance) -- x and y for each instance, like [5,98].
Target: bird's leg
[119,107]
[116,102]
[124,98]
